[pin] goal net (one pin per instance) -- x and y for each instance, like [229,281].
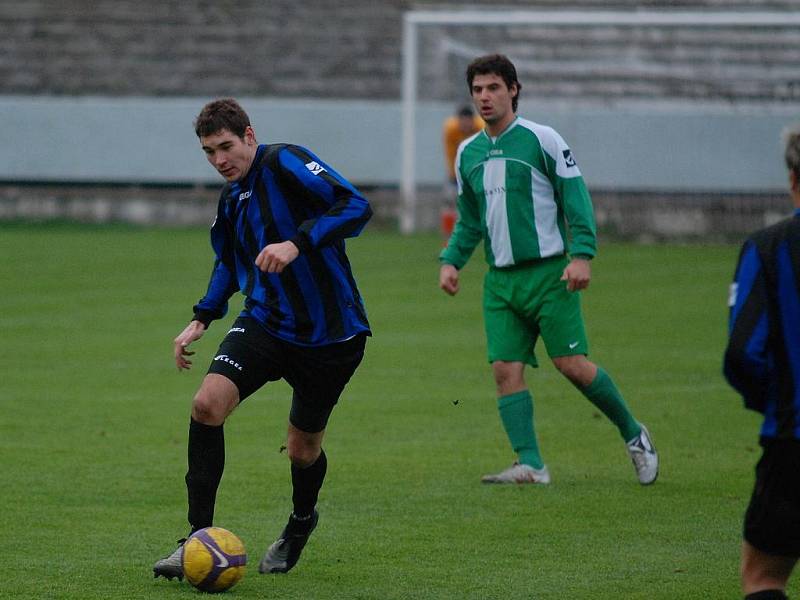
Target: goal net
[624,88]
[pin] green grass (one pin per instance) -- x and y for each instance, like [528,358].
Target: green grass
[94,421]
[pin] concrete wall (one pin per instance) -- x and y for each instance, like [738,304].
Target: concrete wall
[151,140]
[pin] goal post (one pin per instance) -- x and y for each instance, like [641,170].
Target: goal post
[415,21]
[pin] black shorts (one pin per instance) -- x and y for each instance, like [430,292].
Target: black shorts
[250,357]
[772,520]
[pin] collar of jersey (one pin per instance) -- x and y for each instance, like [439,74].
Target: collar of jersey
[502,133]
[247,179]
[246,182]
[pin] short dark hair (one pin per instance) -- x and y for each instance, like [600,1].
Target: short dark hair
[495,64]
[224,113]
[791,154]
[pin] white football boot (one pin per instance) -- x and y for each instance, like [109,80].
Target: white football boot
[644,457]
[172,565]
[519,473]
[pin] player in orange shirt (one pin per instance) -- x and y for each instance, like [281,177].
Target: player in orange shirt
[455,130]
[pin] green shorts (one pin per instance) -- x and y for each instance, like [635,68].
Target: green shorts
[524,302]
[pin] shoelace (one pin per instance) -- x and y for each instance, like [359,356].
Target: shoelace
[638,456]
[517,473]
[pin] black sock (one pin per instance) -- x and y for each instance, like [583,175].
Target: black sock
[206,463]
[306,484]
[767,595]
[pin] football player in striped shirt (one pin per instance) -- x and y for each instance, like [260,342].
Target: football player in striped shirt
[762,363]
[278,238]
[520,191]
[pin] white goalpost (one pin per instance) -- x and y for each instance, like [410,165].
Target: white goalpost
[415,21]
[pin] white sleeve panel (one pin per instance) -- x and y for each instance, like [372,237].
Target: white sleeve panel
[556,148]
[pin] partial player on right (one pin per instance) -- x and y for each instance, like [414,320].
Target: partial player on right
[521,192]
[762,362]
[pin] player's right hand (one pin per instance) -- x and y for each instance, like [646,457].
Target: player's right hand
[193,331]
[448,279]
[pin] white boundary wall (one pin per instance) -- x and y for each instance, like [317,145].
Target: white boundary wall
[150,140]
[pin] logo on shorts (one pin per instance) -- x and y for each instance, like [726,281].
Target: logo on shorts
[573,345]
[568,158]
[226,359]
[236,330]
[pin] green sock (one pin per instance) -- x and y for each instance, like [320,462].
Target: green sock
[604,395]
[516,413]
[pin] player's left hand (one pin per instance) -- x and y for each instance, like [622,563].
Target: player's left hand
[274,257]
[577,274]
[194,331]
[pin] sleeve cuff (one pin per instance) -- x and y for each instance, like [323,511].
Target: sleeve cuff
[204,316]
[444,259]
[302,242]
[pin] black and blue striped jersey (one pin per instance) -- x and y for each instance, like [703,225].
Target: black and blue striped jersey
[289,194]
[762,360]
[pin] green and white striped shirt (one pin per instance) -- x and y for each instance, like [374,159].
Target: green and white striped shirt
[520,192]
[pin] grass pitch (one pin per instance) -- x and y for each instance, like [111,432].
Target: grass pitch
[95,416]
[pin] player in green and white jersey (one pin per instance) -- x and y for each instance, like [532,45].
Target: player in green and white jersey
[522,193]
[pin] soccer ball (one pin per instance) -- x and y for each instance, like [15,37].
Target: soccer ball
[213,559]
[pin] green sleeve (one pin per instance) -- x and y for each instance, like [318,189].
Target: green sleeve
[467,232]
[580,216]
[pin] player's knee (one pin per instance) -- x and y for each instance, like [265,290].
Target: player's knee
[507,376]
[565,367]
[575,368]
[505,373]
[760,573]
[207,409]
[301,453]
[303,457]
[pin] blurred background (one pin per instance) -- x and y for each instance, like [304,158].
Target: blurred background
[673,109]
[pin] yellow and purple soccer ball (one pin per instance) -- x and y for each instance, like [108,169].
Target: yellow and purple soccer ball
[213,559]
